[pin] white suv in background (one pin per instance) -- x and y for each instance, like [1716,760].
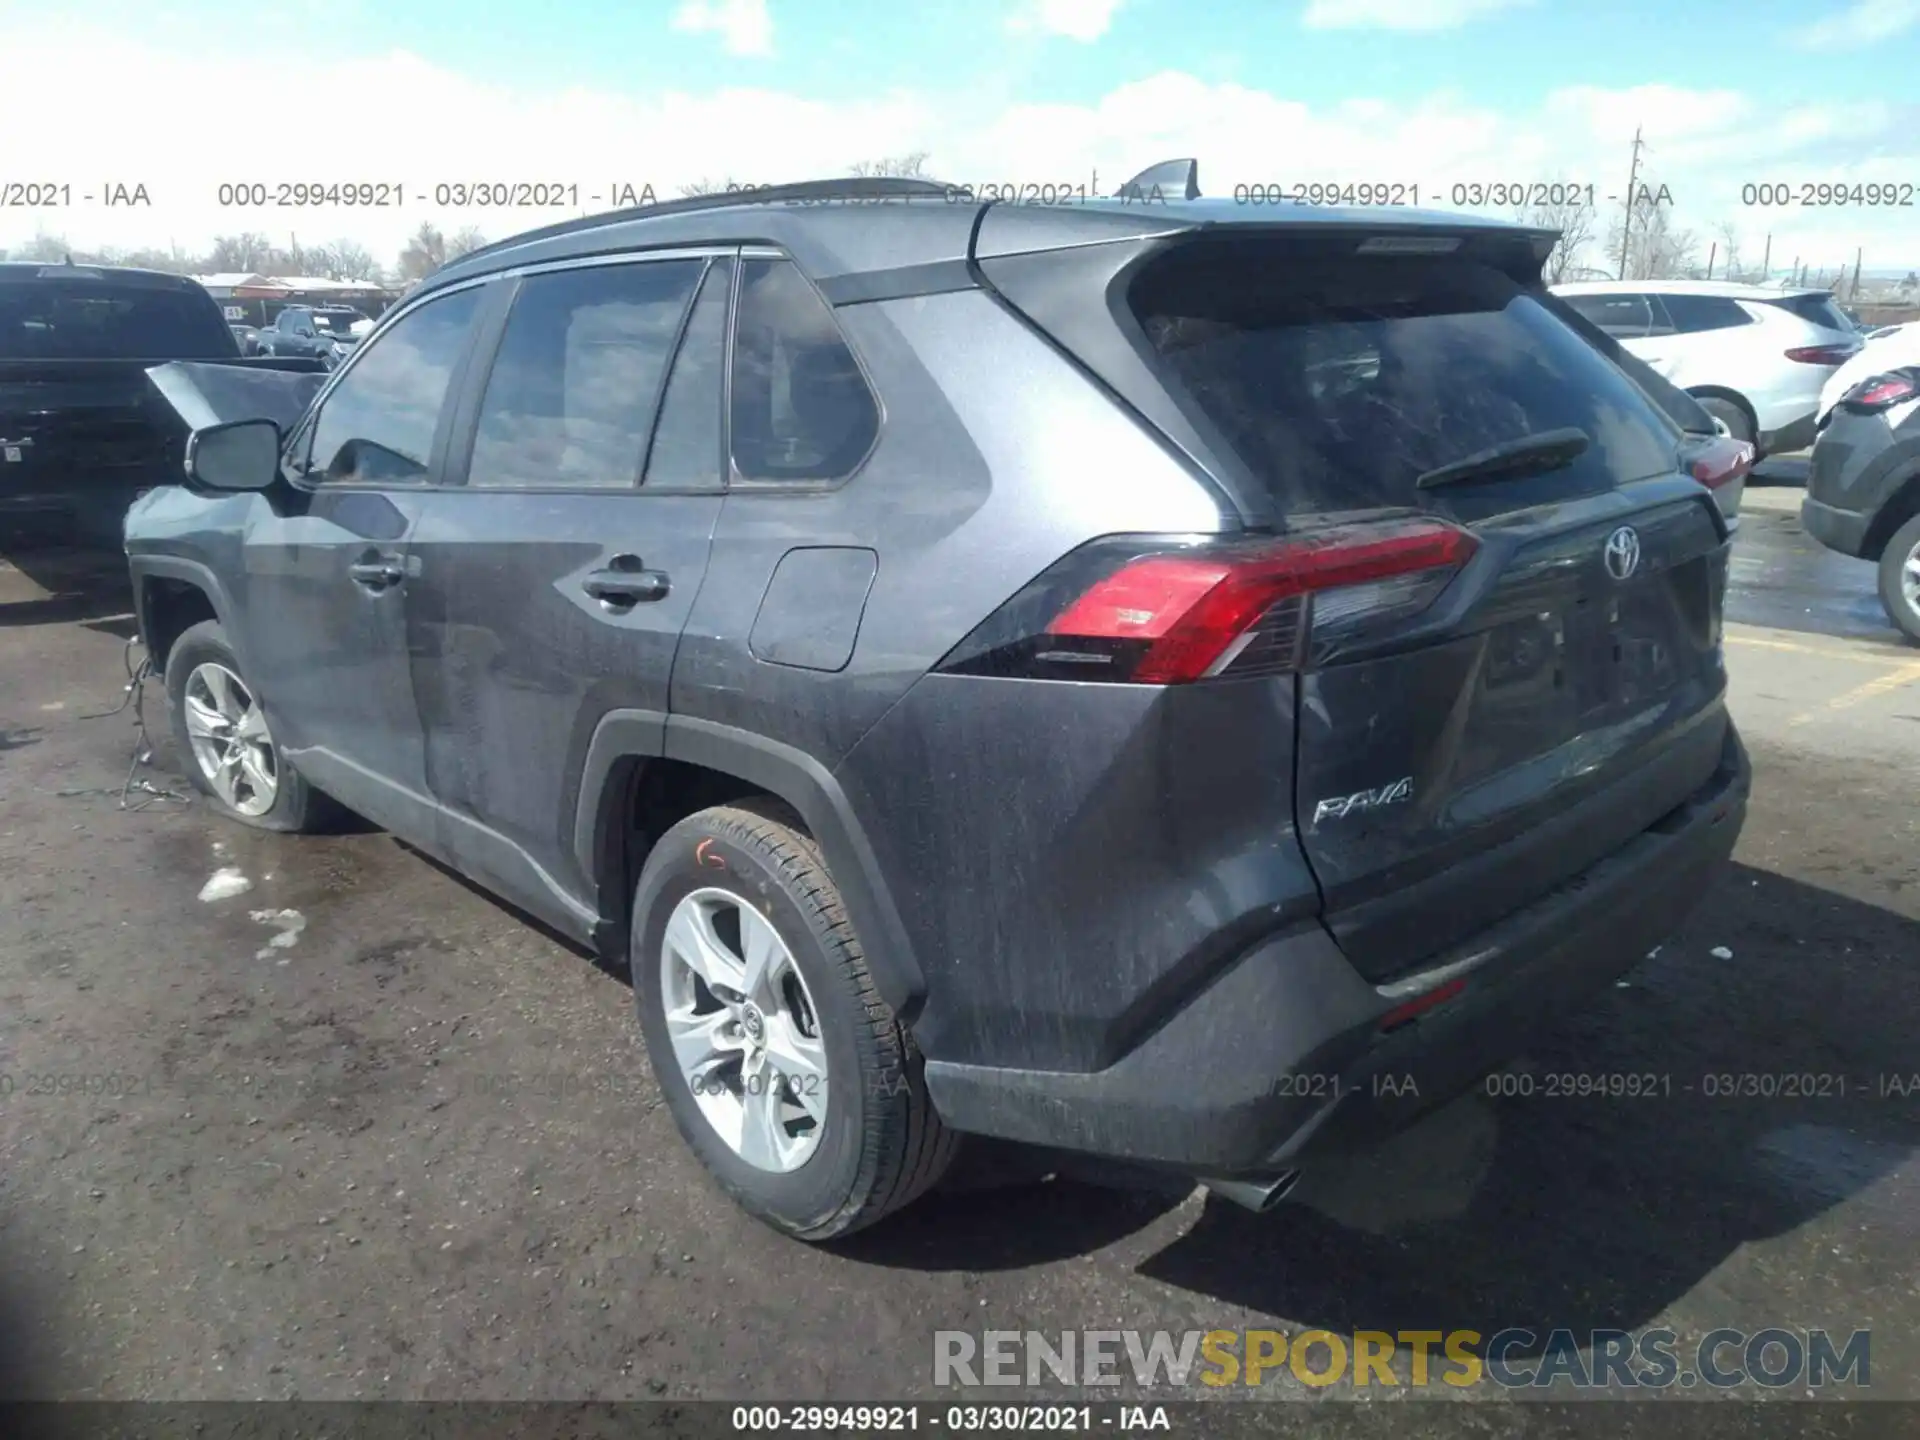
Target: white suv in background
[1754,357]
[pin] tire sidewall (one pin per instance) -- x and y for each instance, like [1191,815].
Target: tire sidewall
[195,648]
[692,857]
[1892,561]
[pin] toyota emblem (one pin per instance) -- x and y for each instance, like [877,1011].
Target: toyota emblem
[1623,552]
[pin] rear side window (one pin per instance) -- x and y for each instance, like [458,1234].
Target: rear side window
[1692,314]
[1625,317]
[96,320]
[686,443]
[801,408]
[572,395]
[1815,310]
[1338,382]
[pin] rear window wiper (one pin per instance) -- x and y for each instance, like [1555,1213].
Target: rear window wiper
[1511,459]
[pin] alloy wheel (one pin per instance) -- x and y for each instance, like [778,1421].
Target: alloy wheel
[230,742]
[744,1030]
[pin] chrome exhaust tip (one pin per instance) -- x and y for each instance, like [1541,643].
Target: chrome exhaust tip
[1258,1196]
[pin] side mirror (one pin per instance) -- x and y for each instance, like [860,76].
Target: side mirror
[240,455]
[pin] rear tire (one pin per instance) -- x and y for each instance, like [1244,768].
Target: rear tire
[215,713]
[1900,579]
[748,878]
[1739,424]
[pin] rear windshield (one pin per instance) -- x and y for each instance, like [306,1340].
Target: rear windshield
[1815,310]
[1339,381]
[95,320]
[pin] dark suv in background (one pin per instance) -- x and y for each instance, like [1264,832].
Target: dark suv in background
[1167,680]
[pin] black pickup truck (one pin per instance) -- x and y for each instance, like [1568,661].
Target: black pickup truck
[82,429]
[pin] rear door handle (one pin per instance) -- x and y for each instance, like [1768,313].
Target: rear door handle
[377,574]
[626,582]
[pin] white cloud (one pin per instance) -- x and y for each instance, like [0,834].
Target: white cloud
[1399,14]
[1864,23]
[414,122]
[744,26]
[1082,20]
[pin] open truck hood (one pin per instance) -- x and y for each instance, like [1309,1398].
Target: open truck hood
[206,394]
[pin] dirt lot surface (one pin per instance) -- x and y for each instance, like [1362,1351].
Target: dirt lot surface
[359,1131]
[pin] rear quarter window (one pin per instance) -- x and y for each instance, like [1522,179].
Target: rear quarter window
[1339,382]
[1815,310]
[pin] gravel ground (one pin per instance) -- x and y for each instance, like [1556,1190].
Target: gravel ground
[357,1131]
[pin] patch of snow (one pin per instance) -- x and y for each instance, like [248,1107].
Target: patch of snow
[1721,952]
[224,884]
[288,922]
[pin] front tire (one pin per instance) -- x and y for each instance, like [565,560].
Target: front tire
[787,1074]
[1900,579]
[228,751]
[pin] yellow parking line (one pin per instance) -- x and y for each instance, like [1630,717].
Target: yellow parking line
[1879,685]
[1827,652]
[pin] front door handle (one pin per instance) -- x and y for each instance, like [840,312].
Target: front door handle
[626,582]
[377,573]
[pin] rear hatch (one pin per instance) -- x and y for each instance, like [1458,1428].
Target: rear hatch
[1542,683]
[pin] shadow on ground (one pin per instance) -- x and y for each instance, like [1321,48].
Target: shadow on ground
[1582,1213]
[80,585]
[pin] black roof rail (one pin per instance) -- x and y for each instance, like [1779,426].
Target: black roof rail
[1173,179]
[869,187]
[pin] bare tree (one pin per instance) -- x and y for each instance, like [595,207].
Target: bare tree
[248,252]
[704,186]
[465,243]
[912,165]
[1655,247]
[1573,220]
[424,253]
[341,260]
[1729,239]
[49,250]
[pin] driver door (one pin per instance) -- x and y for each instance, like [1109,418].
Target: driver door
[327,578]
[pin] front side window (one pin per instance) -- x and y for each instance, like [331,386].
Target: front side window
[577,381]
[801,408]
[377,425]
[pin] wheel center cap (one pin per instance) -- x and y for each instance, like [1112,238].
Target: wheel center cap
[751,1020]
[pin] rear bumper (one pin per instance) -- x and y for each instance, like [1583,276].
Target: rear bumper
[1282,1059]
[1795,434]
[1837,529]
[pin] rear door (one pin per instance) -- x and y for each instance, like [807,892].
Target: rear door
[554,582]
[1566,690]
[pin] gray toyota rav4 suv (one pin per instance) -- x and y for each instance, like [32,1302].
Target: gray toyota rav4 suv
[1162,679]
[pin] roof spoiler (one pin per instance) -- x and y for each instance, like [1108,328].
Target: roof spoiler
[1164,181]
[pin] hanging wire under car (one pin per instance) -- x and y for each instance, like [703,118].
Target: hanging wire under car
[133,698]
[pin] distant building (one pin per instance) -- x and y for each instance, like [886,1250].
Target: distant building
[250,299]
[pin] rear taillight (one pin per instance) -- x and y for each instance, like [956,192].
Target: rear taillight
[1823,354]
[1152,611]
[1719,461]
[1881,391]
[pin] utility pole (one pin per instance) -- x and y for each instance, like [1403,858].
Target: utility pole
[1766,261]
[1853,295]
[1626,223]
[1712,254]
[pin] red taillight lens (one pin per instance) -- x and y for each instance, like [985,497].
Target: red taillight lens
[1823,354]
[1168,614]
[1880,392]
[1720,461]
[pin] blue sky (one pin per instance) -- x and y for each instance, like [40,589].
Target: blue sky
[1313,90]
